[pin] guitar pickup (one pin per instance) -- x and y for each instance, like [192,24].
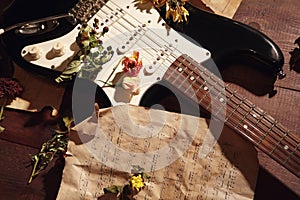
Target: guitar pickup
[135,35]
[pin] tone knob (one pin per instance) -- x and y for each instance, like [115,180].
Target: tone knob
[35,53]
[58,49]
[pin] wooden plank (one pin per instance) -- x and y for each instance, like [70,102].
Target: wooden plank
[280,20]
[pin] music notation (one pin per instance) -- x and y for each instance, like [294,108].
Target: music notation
[229,168]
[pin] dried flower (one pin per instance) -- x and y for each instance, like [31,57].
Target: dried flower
[174,9]
[9,90]
[137,182]
[88,36]
[92,54]
[132,64]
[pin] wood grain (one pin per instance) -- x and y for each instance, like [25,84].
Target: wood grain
[280,20]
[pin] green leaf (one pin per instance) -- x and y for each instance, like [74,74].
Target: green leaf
[113,189]
[136,169]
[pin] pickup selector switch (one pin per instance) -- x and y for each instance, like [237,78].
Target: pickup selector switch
[58,49]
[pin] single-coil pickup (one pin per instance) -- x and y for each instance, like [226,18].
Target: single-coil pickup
[105,19]
[162,57]
[134,37]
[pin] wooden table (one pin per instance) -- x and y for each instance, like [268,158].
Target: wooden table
[280,20]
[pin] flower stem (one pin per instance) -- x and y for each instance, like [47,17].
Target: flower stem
[1,113]
[2,107]
[33,173]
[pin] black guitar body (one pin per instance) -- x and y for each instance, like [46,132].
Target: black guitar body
[230,41]
[227,40]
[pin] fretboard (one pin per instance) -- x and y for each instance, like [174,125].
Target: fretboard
[206,89]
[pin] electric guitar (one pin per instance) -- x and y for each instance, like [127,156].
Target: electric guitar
[174,60]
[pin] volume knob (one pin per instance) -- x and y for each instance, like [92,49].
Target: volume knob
[35,53]
[58,49]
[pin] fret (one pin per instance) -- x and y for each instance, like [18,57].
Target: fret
[289,141]
[253,136]
[268,137]
[204,97]
[272,140]
[198,79]
[266,133]
[243,119]
[234,110]
[279,146]
[178,76]
[292,154]
[172,75]
[198,89]
[279,142]
[209,84]
[214,95]
[275,135]
[183,69]
[220,100]
[192,80]
[247,130]
[179,79]
[227,100]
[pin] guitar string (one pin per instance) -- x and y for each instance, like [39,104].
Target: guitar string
[275,131]
[208,101]
[263,118]
[154,39]
[204,94]
[166,48]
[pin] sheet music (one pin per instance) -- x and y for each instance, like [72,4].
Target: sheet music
[228,171]
[226,8]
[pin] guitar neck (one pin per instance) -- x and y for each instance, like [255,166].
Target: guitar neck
[206,89]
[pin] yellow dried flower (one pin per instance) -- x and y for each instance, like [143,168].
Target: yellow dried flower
[177,12]
[137,182]
[174,9]
[159,3]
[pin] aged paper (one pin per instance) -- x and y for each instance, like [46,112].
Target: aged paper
[226,8]
[103,149]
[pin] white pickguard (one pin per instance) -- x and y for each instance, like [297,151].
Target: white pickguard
[130,29]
